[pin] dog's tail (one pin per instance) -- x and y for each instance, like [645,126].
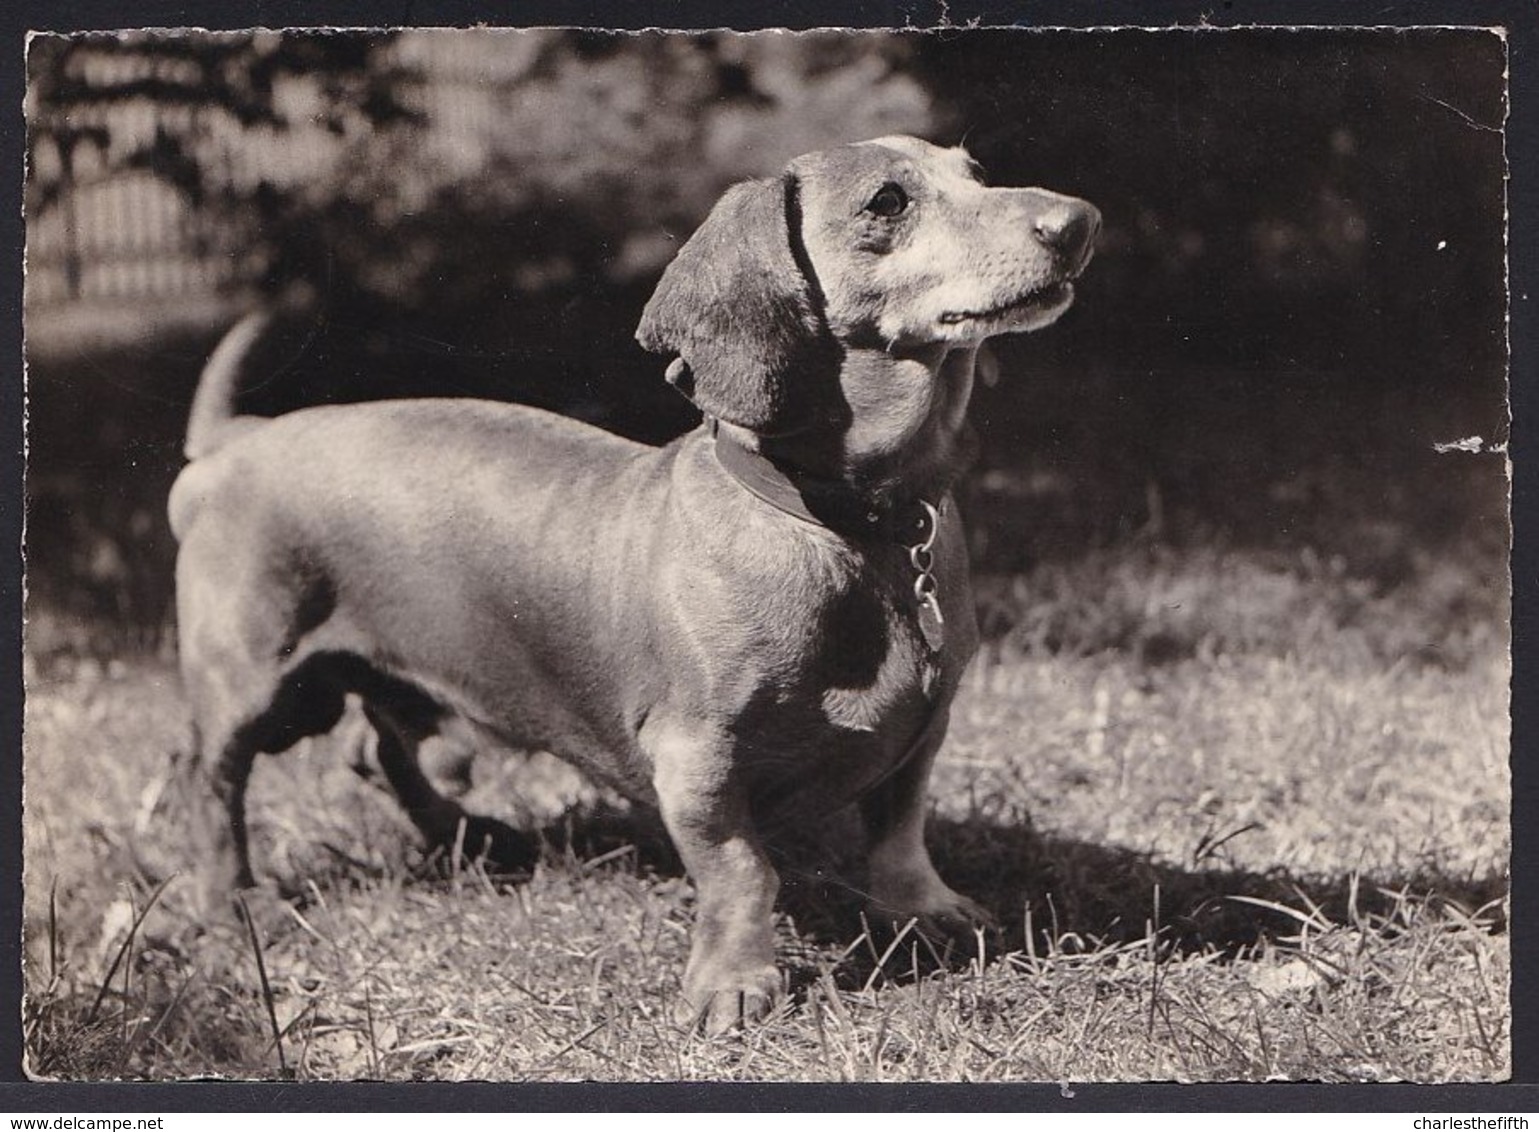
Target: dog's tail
[214,421]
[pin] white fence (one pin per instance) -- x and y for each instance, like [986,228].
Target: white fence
[131,235]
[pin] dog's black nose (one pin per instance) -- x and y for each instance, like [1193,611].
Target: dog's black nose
[1069,228]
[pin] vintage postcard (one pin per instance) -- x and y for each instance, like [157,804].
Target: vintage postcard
[877,556]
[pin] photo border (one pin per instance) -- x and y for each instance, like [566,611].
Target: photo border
[1522,23]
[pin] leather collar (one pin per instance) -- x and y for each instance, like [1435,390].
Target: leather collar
[825,503]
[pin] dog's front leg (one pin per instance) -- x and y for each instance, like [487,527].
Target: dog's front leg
[731,977]
[903,882]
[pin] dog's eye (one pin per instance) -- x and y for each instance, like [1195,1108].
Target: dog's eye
[890,200]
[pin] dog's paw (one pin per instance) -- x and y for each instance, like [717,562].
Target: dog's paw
[938,913]
[717,1007]
[956,917]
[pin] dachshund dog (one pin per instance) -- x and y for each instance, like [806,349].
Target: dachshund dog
[768,616]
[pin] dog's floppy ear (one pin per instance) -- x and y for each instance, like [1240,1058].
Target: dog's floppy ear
[737,310]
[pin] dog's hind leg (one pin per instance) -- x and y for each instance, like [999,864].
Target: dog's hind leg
[443,822]
[241,708]
[213,779]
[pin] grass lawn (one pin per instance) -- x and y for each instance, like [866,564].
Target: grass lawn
[1239,817]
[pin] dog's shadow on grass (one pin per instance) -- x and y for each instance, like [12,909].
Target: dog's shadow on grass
[1068,894]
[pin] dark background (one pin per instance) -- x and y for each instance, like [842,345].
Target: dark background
[1299,290]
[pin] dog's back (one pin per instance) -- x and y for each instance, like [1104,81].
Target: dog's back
[476,571]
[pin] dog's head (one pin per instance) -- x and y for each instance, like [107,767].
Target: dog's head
[893,243]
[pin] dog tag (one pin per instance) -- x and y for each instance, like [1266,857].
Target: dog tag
[932,626]
[930,680]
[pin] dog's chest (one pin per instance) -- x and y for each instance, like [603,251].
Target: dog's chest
[843,708]
[869,663]
[806,648]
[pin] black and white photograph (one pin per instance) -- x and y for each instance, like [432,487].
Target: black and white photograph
[976,554]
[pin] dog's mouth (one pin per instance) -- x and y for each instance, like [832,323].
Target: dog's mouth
[1044,298]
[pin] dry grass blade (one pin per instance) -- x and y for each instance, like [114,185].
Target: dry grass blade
[128,939]
[1308,920]
[880,970]
[1152,930]
[53,932]
[267,989]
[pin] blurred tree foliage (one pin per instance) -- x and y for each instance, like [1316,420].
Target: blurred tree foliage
[192,90]
[598,151]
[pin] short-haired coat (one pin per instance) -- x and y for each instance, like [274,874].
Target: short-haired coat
[769,615]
